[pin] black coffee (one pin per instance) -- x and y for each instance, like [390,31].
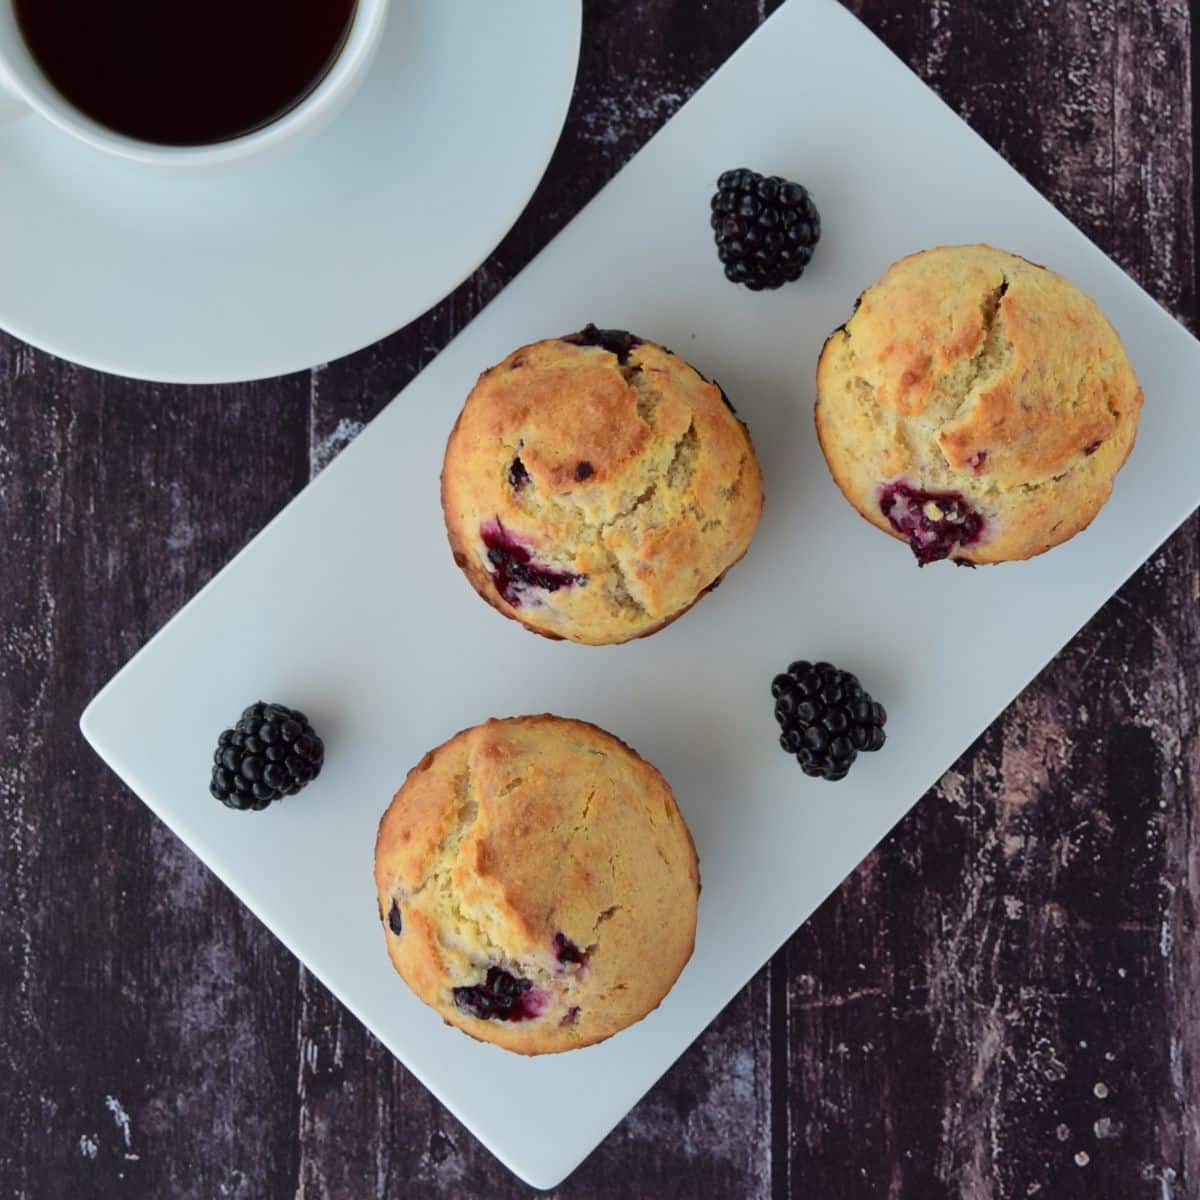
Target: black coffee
[185,72]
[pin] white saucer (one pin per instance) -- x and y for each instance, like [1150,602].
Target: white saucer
[272,265]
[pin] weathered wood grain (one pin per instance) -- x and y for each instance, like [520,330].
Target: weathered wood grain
[138,996]
[1002,1002]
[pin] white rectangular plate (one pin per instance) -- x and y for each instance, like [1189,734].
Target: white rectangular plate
[378,637]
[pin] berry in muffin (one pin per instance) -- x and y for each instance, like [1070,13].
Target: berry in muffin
[935,523]
[976,406]
[596,485]
[537,884]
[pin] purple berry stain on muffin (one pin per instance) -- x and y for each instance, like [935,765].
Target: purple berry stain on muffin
[518,476]
[1091,449]
[513,570]
[935,523]
[566,951]
[584,470]
[617,341]
[502,996]
[978,461]
[395,921]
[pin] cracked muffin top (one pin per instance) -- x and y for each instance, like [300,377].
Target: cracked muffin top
[596,485]
[537,884]
[976,405]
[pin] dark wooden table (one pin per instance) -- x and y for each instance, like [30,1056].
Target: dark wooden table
[1002,1001]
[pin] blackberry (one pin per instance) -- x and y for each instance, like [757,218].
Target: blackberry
[502,996]
[271,752]
[566,951]
[765,228]
[826,717]
[935,523]
[518,475]
[513,570]
[617,341]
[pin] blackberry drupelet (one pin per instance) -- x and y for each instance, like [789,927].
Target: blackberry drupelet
[826,717]
[765,228]
[271,752]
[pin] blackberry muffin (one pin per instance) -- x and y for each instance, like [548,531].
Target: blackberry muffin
[976,405]
[537,884]
[596,485]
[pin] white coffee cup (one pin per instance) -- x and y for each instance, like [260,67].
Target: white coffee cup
[24,90]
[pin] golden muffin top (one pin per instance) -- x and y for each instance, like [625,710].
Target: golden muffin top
[596,485]
[968,371]
[537,883]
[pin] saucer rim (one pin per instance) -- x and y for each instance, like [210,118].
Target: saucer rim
[277,363]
